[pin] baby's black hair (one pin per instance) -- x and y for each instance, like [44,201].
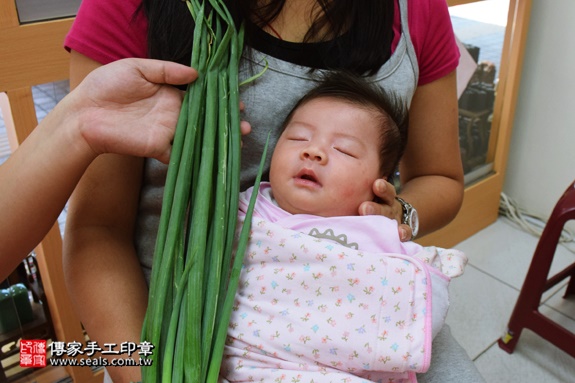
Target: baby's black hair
[392,113]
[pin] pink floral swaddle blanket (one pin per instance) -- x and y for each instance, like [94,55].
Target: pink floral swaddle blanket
[314,306]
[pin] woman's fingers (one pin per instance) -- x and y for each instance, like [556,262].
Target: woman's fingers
[387,206]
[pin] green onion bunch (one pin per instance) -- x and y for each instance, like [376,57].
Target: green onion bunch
[194,275]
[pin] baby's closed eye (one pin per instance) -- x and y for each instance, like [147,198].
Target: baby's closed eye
[346,151]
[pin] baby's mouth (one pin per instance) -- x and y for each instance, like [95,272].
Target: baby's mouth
[308,176]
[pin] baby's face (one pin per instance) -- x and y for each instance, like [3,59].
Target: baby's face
[326,160]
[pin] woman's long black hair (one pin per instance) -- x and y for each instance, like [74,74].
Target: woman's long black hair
[364,28]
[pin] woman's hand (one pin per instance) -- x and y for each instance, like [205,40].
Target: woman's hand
[388,206]
[129,106]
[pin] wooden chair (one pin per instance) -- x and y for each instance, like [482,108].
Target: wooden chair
[33,54]
[526,312]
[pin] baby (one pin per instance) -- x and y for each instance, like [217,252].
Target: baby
[327,295]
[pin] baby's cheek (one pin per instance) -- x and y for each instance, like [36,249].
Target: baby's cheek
[355,187]
[357,192]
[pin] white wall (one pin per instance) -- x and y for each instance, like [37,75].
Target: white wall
[542,154]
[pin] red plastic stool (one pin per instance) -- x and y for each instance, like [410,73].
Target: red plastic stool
[526,312]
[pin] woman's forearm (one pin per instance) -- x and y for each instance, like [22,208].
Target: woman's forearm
[37,180]
[107,287]
[430,170]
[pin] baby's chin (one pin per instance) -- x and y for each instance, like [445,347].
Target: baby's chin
[309,207]
[320,212]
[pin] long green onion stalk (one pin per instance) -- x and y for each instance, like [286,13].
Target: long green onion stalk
[194,276]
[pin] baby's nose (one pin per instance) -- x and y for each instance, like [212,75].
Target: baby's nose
[314,153]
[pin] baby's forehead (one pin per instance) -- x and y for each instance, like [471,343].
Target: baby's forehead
[325,109]
[354,103]
[333,99]
[337,101]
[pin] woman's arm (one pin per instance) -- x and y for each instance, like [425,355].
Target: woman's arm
[102,271]
[38,178]
[431,171]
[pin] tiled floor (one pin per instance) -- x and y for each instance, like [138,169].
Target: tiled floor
[46,96]
[483,298]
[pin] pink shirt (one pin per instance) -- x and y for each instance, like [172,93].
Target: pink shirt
[107,31]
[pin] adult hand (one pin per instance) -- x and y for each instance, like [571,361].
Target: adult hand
[127,107]
[245,126]
[388,206]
